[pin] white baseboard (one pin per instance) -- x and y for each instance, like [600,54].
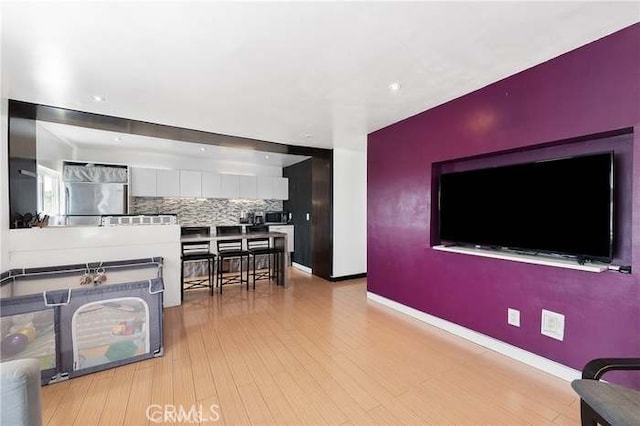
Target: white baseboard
[529,358]
[301,267]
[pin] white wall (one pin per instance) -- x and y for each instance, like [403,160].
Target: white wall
[164,161]
[349,212]
[51,150]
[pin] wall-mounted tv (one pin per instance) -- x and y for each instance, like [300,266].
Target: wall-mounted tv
[561,206]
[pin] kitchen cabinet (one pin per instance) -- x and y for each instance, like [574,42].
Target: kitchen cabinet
[230,186]
[248,187]
[281,189]
[287,229]
[193,184]
[168,183]
[142,182]
[211,185]
[272,188]
[190,184]
[264,187]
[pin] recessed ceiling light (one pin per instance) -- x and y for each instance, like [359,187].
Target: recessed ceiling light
[202,149]
[99,98]
[266,156]
[395,86]
[117,139]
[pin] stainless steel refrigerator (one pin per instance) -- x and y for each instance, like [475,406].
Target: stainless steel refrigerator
[87,201]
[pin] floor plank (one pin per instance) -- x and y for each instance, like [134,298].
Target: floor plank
[315,353]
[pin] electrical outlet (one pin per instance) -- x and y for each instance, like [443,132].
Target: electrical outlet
[552,325]
[513,317]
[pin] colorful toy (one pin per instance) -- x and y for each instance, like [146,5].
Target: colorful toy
[87,277]
[118,330]
[100,275]
[121,350]
[13,344]
[127,328]
[95,277]
[29,331]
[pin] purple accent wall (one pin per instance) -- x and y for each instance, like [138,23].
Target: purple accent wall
[590,90]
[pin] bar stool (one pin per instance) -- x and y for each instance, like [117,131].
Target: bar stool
[231,249]
[260,246]
[197,251]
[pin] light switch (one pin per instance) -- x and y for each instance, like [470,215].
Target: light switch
[513,317]
[308,215]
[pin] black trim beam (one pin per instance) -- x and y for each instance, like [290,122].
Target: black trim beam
[164,131]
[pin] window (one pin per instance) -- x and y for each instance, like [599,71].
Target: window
[50,198]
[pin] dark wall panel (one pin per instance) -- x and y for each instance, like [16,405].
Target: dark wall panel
[322,216]
[23,182]
[299,204]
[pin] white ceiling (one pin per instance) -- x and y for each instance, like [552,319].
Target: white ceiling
[85,138]
[283,71]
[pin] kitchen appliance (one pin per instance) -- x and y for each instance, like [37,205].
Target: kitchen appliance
[275,217]
[258,219]
[92,191]
[246,217]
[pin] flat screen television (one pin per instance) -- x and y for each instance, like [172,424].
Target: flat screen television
[562,206]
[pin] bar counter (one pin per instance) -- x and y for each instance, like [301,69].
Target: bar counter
[279,241]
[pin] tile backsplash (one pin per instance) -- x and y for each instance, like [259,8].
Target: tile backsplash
[202,212]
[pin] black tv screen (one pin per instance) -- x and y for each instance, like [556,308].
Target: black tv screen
[561,206]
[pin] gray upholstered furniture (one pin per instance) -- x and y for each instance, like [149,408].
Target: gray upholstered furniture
[20,393]
[606,403]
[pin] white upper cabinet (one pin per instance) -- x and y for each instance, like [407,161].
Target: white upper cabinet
[187,183]
[190,184]
[230,186]
[265,187]
[248,187]
[281,189]
[142,182]
[168,183]
[211,185]
[273,188]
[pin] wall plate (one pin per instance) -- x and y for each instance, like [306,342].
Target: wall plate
[513,317]
[552,325]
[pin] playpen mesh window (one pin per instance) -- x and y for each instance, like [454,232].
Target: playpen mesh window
[29,335]
[109,331]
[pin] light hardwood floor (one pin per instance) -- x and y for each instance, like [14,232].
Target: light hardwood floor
[316,353]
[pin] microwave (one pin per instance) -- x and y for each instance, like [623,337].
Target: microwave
[275,217]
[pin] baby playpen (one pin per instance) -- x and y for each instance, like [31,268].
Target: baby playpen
[79,319]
